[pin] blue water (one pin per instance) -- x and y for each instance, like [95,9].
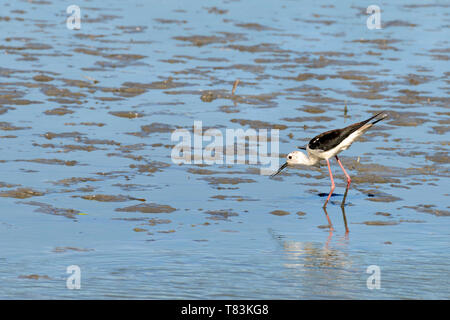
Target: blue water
[193,251]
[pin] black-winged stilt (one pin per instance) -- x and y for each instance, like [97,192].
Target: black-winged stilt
[327,145]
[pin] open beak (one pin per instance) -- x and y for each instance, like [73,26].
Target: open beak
[279,170]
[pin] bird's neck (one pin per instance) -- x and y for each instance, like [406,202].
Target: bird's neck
[311,160]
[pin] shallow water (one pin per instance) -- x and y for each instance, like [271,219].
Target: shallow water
[87,176]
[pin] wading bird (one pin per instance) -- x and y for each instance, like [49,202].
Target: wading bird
[327,145]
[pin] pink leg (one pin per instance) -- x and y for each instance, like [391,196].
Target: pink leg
[349,180]
[332,184]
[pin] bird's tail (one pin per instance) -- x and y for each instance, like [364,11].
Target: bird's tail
[378,117]
[366,124]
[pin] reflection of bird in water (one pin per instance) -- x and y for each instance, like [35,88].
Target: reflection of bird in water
[327,145]
[311,254]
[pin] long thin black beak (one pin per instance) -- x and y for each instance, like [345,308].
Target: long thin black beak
[279,170]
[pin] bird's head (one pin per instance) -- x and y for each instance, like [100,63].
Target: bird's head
[294,158]
[297,157]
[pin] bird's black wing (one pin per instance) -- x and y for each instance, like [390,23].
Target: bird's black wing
[331,139]
[327,140]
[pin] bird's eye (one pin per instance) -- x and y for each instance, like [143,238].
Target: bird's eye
[289,157]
